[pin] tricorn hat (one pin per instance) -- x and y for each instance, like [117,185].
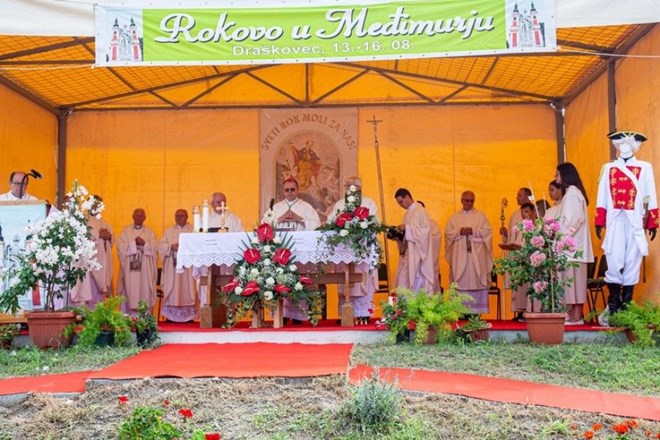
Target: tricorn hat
[626,133]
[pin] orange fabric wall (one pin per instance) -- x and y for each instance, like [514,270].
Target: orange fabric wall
[163,160]
[28,139]
[638,108]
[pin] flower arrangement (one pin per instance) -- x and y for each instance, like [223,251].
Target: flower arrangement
[266,273]
[540,261]
[355,228]
[60,254]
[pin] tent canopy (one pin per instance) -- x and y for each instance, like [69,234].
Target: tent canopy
[58,73]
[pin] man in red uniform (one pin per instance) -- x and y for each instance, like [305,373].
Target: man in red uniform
[627,206]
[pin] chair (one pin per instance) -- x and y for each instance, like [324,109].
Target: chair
[494,289]
[595,282]
[159,294]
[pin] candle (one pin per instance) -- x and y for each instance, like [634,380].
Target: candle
[196,219]
[205,215]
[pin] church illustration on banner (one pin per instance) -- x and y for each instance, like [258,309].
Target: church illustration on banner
[125,42]
[525,28]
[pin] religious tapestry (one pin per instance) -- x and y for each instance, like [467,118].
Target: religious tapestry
[317,147]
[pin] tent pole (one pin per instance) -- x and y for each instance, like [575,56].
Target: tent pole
[611,102]
[559,130]
[62,117]
[375,123]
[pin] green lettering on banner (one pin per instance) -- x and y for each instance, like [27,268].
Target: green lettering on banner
[399,29]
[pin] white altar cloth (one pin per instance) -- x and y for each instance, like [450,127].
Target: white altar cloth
[201,250]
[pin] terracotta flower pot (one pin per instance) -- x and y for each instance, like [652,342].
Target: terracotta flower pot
[47,328]
[545,328]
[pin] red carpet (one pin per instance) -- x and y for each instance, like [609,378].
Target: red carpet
[232,360]
[50,383]
[514,391]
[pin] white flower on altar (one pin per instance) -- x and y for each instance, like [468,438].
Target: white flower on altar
[298,286]
[350,199]
[267,249]
[267,262]
[270,281]
[364,224]
[292,267]
[254,271]
[353,188]
[343,232]
[268,295]
[279,271]
[242,271]
[277,240]
[238,290]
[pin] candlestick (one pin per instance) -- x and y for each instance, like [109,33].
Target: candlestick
[197,223]
[205,215]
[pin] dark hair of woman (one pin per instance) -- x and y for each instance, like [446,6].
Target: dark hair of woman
[569,176]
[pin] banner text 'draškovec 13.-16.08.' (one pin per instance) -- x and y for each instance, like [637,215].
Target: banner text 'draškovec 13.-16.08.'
[337,32]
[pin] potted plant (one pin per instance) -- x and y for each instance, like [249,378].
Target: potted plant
[397,318]
[426,315]
[538,264]
[144,324]
[8,331]
[640,322]
[475,329]
[106,325]
[60,254]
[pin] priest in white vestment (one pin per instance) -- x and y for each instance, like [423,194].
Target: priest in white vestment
[137,249]
[469,252]
[221,217]
[18,183]
[294,214]
[416,267]
[179,288]
[362,293]
[97,284]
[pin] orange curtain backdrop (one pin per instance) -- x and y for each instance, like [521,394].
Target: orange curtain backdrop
[164,160]
[28,139]
[638,108]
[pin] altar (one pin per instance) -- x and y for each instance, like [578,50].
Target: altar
[213,256]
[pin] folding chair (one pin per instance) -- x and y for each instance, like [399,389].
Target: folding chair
[494,289]
[595,282]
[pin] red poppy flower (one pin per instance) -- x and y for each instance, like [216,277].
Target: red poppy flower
[212,436]
[632,424]
[597,427]
[361,212]
[251,255]
[343,218]
[411,325]
[306,280]
[265,232]
[282,256]
[186,413]
[166,402]
[123,400]
[230,286]
[588,435]
[281,288]
[250,288]
[621,428]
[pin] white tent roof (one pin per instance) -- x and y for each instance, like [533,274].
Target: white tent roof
[76,18]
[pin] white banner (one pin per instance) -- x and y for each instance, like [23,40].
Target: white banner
[317,147]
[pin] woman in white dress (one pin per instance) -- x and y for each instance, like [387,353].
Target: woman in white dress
[574,220]
[556,193]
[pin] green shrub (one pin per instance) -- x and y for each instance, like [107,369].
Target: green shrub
[106,316]
[373,407]
[146,423]
[642,320]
